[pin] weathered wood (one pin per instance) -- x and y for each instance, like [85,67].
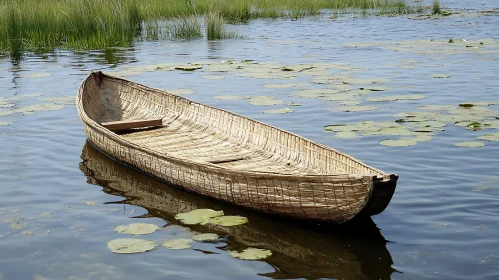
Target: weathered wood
[122,125]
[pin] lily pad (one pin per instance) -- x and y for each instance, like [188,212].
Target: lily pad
[471,144]
[3,123]
[198,216]
[188,68]
[397,130]
[294,104]
[231,97]
[396,97]
[38,75]
[315,93]
[130,245]
[375,88]
[354,108]
[398,143]
[279,111]
[474,126]
[490,137]
[30,109]
[349,102]
[181,91]
[205,237]
[440,76]
[286,85]
[177,244]
[228,221]
[264,101]
[252,254]
[137,228]
[346,135]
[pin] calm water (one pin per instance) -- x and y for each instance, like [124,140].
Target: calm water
[60,199]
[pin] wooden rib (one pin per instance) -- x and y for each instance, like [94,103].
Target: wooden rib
[129,124]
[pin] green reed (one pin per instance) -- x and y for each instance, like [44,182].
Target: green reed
[40,26]
[436,7]
[187,27]
[215,27]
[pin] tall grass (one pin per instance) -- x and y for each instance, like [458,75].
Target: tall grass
[94,24]
[187,27]
[215,27]
[436,7]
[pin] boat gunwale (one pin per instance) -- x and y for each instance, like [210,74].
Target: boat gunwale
[212,167]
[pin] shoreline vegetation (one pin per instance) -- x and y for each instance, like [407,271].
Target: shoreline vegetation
[44,26]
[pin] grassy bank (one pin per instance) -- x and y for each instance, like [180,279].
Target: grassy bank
[41,26]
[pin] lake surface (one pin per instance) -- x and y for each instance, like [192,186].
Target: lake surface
[60,199]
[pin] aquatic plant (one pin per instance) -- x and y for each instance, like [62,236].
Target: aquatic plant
[215,27]
[185,27]
[43,26]
[436,7]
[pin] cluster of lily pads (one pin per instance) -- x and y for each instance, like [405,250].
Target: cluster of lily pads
[8,105]
[327,82]
[436,47]
[419,126]
[197,216]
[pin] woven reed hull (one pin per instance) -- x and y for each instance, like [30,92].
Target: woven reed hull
[228,157]
[347,252]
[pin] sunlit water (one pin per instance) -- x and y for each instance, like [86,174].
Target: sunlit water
[60,199]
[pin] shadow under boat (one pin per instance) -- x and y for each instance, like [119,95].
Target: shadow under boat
[355,250]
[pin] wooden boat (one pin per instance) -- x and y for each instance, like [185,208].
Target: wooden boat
[226,156]
[299,251]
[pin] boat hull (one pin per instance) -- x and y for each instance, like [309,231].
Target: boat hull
[335,198]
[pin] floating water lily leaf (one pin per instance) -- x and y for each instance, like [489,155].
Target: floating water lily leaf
[205,237]
[466,105]
[232,97]
[177,244]
[198,216]
[375,88]
[490,137]
[350,102]
[264,101]
[482,103]
[22,96]
[188,68]
[228,221]
[213,77]
[398,143]
[474,126]
[137,228]
[38,75]
[314,93]
[421,137]
[4,103]
[39,107]
[67,100]
[279,111]
[286,85]
[130,245]
[396,97]
[181,91]
[346,135]
[471,144]
[398,130]
[3,123]
[440,76]
[359,92]
[354,108]
[294,104]
[252,254]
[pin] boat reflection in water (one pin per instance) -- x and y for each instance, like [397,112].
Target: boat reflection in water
[350,251]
